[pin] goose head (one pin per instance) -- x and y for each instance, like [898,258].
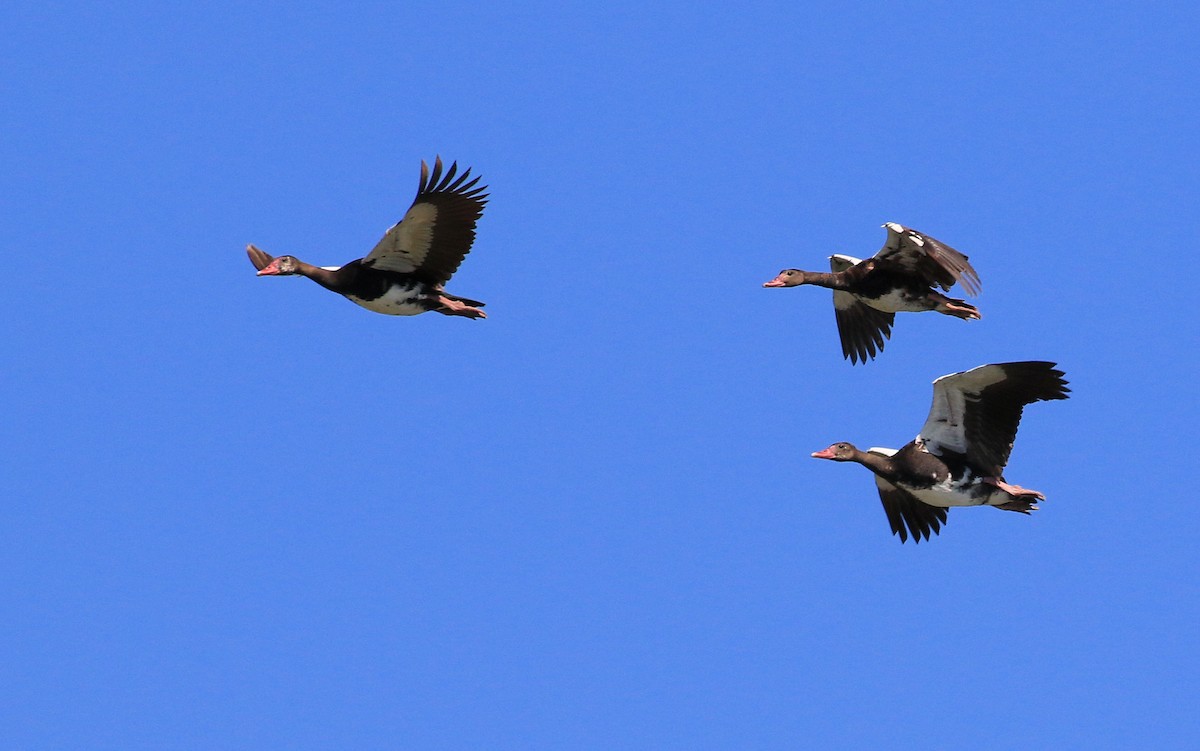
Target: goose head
[838,452]
[281,266]
[787,278]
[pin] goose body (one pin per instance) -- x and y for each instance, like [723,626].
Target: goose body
[903,277]
[940,481]
[402,298]
[958,458]
[405,273]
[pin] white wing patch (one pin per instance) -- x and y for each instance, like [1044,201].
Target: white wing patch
[898,234]
[882,451]
[895,232]
[839,262]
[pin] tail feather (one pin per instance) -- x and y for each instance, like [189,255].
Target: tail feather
[1020,505]
[469,312]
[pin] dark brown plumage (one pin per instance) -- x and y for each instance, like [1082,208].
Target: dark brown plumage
[405,272]
[959,456]
[903,509]
[437,232]
[901,277]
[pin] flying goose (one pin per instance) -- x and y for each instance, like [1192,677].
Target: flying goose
[958,458]
[405,273]
[901,277]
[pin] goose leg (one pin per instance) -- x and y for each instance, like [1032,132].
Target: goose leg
[451,307]
[956,308]
[1016,490]
[1024,500]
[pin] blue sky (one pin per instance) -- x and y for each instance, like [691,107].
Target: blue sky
[245,513]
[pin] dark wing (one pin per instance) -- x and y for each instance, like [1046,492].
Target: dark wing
[861,328]
[437,232]
[904,509]
[257,257]
[976,412]
[935,262]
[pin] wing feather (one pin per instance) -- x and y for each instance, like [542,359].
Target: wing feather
[862,329]
[903,509]
[438,230]
[841,262]
[932,259]
[976,412]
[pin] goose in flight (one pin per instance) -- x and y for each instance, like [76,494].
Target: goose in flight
[904,276]
[959,456]
[406,272]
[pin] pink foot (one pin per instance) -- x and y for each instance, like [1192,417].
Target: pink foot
[456,308]
[1014,490]
[961,311]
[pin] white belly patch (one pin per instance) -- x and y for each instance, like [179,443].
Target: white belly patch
[943,496]
[399,301]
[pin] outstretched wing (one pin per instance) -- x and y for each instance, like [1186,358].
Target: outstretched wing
[437,231]
[976,412]
[861,328]
[902,508]
[936,262]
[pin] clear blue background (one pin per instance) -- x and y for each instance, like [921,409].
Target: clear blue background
[244,513]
